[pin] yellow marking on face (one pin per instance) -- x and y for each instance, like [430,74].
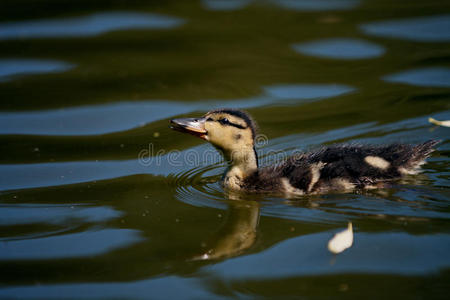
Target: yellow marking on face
[224,135]
[233,119]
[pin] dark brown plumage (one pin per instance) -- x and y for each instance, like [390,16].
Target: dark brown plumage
[341,167]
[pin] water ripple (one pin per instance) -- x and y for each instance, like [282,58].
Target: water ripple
[340,48]
[86,26]
[318,5]
[402,253]
[199,187]
[85,243]
[22,176]
[225,5]
[9,68]
[84,120]
[422,29]
[428,77]
[158,288]
[308,91]
[54,214]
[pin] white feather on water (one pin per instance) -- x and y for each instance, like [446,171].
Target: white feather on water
[439,123]
[341,240]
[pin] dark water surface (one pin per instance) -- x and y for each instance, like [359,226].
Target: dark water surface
[99,199]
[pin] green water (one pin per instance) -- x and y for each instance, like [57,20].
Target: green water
[99,199]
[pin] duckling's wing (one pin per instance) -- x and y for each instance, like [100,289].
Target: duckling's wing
[350,166]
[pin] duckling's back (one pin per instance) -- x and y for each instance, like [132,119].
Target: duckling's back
[342,168]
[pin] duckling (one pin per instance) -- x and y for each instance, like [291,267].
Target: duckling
[338,168]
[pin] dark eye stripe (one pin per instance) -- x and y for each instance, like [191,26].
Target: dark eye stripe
[233,124]
[225,121]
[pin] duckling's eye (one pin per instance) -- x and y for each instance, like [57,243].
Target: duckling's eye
[209,119]
[224,121]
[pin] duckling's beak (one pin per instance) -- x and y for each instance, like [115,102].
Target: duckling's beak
[194,126]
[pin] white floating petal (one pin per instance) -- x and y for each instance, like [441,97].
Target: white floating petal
[439,123]
[341,240]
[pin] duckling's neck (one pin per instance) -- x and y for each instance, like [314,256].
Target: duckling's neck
[241,164]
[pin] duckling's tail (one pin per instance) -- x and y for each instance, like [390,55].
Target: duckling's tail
[417,157]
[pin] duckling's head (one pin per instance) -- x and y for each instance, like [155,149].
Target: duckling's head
[230,130]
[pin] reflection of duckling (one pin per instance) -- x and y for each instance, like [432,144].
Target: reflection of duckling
[238,233]
[335,168]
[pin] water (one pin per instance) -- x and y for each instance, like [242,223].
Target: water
[340,48]
[99,199]
[90,25]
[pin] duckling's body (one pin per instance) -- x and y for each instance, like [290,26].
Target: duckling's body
[339,168]
[335,168]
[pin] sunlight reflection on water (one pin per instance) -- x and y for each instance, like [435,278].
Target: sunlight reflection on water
[91,25]
[422,29]
[431,76]
[299,5]
[340,48]
[158,288]
[402,254]
[225,5]
[15,67]
[69,245]
[54,214]
[121,116]
[307,91]
[318,5]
